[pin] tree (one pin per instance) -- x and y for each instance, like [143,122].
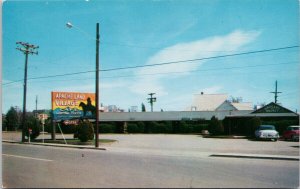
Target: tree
[143,107]
[12,119]
[4,128]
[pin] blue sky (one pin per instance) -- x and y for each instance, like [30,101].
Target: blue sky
[137,33]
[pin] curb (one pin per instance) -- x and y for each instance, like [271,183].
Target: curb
[256,156]
[55,145]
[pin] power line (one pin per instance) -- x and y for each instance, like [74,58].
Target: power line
[203,70]
[160,64]
[164,73]
[49,76]
[199,59]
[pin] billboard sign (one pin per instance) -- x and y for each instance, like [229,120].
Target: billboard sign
[72,105]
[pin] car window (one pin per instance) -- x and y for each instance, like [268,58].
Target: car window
[295,128]
[266,127]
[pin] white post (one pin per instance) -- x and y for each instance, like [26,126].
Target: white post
[62,133]
[29,136]
[43,131]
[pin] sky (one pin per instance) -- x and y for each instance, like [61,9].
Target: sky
[144,34]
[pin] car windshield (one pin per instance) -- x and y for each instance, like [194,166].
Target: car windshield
[295,128]
[266,127]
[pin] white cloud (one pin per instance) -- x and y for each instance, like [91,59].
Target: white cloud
[212,46]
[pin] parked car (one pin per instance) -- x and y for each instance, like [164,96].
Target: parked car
[267,132]
[291,133]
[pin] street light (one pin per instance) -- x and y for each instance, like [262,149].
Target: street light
[70,25]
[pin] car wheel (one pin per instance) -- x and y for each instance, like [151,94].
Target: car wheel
[292,138]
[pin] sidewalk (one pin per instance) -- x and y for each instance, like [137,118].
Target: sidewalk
[257,156]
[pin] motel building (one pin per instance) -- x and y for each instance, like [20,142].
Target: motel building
[235,115]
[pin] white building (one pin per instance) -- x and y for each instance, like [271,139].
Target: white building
[216,102]
[110,108]
[133,109]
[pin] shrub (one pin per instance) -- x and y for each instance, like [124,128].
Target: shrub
[215,126]
[32,123]
[85,131]
[107,128]
[176,127]
[48,125]
[184,127]
[168,128]
[132,128]
[119,127]
[199,127]
[165,127]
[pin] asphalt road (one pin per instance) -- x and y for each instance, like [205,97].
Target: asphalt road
[40,166]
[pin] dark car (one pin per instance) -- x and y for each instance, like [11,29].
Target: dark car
[291,133]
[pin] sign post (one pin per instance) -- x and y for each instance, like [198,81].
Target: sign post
[30,131]
[43,124]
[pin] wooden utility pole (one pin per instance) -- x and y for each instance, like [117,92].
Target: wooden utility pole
[36,104]
[26,48]
[151,100]
[97,86]
[275,93]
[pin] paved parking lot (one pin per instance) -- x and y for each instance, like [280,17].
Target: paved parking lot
[181,144]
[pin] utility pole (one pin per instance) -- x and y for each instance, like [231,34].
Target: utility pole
[36,102]
[69,25]
[26,48]
[275,92]
[151,100]
[97,85]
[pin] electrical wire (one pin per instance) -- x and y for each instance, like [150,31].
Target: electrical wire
[160,64]
[167,73]
[199,59]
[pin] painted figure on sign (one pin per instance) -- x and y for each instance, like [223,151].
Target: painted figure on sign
[88,109]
